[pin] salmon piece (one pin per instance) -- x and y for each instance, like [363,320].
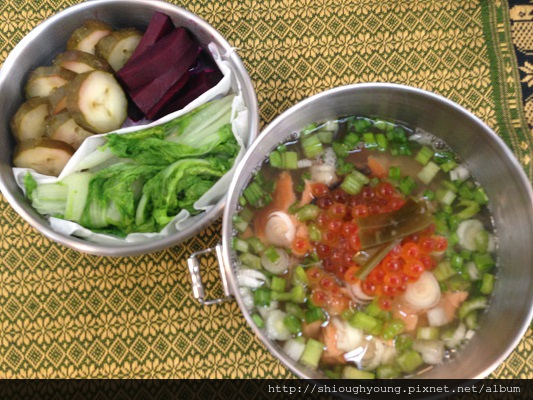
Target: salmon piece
[282,198]
[378,166]
[307,194]
[407,315]
[451,301]
[331,354]
[312,330]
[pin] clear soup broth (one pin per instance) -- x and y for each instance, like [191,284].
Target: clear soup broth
[365,249]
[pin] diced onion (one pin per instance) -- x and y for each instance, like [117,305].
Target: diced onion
[437,316]
[276,329]
[467,231]
[357,294]
[247,297]
[323,173]
[304,163]
[251,278]
[460,173]
[348,337]
[276,267]
[432,351]
[294,348]
[424,293]
[373,355]
[279,229]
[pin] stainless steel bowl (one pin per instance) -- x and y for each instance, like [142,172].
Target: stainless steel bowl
[49,39]
[490,161]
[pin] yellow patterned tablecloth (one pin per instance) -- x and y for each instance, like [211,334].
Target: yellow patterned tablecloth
[66,314]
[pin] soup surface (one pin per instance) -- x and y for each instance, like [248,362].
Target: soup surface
[366,249]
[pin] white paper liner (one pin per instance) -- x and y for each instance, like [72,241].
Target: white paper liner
[78,162]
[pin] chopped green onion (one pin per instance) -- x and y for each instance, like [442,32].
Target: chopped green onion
[480,196]
[442,157]
[294,309]
[350,372]
[325,137]
[250,260]
[471,320]
[483,261]
[429,172]
[445,196]
[258,320]
[344,167]
[427,332]
[429,194]
[308,212]
[246,214]
[468,306]
[383,125]
[272,254]
[470,209]
[424,155]
[353,182]
[256,244]
[299,275]
[278,284]
[392,329]
[409,361]
[296,295]
[275,159]
[309,129]
[312,353]
[351,140]
[340,149]
[239,245]
[262,297]
[289,160]
[314,314]
[448,166]
[369,140]
[293,324]
[312,146]
[383,143]
[387,371]
[239,223]
[407,185]
[363,321]
[394,173]
[403,342]
[361,125]
[487,284]
[443,271]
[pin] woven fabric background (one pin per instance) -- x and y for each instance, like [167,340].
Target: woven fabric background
[66,314]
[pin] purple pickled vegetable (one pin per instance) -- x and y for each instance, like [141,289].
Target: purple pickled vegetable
[169,94]
[172,52]
[159,26]
[195,86]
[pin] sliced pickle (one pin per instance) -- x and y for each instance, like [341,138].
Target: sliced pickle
[63,127]
[80,61]
[45,156]
[44,80]
[87,36]
[118,47]
[29,122]
[57,101]
[97,102]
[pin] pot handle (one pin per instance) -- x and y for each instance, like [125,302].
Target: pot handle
[196,278]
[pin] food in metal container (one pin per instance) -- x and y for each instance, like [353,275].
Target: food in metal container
[366,249]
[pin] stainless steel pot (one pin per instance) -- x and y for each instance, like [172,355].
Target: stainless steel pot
[49,39]
[490,161]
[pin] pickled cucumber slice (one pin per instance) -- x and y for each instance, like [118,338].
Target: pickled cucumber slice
[29,122]
[87,36]
[118,46]
[44,80]
[63,127]
[57,101]
[80,61]
[97,102]
[45,156]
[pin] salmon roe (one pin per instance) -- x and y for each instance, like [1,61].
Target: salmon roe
[339,245]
